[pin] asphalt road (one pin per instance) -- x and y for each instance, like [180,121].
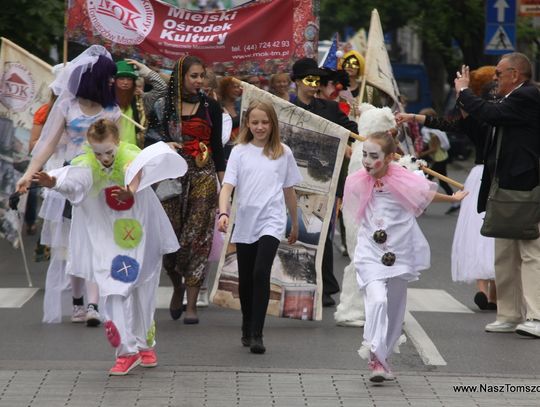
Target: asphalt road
[458,337]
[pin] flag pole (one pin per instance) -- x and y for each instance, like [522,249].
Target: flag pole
[65,50]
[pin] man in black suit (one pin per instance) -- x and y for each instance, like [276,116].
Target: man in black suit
[516,118]
[307,77]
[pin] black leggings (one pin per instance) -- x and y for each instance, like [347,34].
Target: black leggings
[254,266]
[440,167]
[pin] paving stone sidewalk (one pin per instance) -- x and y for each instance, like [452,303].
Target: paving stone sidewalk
[214,387]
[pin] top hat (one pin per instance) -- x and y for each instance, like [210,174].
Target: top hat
[305,67]
[125,70]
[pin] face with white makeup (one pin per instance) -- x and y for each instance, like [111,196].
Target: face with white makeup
[374,159]
[104,139]
[105,150]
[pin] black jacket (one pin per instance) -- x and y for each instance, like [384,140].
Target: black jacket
[517,118]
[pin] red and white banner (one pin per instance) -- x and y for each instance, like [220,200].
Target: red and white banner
[265,30]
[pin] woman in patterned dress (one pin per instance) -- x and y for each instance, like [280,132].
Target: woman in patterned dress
[192,124]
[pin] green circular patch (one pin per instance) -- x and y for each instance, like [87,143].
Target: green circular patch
[127,233]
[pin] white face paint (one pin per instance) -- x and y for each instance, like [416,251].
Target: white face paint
[104,151]
[373,158]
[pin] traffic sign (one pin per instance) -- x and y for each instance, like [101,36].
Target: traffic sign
[500,31]
[500,39]
[501,11]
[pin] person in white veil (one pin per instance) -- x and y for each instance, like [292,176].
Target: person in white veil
[350,310]
[85,94]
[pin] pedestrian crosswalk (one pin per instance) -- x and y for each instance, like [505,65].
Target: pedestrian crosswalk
[16,297]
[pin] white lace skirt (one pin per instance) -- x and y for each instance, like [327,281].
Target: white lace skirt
[472,253]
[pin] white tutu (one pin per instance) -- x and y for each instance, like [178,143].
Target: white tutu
[472,253]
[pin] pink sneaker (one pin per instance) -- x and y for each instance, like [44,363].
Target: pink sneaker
[148,357]
[113,336]
[124,364]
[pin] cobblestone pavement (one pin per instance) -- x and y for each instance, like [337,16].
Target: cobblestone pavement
[198,387]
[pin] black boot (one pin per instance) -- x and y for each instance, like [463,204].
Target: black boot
[257,345]
[246,334]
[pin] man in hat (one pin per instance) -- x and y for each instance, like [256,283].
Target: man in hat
[307,77]
[135,107]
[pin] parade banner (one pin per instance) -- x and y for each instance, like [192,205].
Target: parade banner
[269,33]
[24,81]
[318,146]
[378,72]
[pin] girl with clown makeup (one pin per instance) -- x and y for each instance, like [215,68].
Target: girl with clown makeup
[384,199]
[119,233]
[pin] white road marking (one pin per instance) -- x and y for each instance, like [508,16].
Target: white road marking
[428,300]
[163,298]
[15,297]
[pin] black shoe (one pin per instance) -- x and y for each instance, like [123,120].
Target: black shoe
[246,340]
[327,300]
[246,334]
[452,209]
[492,306]
[481,300]
[177,298]
[191,321]
[257,345]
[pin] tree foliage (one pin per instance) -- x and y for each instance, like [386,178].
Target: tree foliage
[35,25]
[440,24]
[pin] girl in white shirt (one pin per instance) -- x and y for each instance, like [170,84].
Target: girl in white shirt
[263,171]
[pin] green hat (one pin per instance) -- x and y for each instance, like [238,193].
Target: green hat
[125,70]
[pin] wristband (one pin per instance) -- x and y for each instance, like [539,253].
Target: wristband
[223,214]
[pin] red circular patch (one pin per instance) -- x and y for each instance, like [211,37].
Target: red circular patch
[115,203]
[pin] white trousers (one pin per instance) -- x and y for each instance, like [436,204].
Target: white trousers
[385,302]
[133,316]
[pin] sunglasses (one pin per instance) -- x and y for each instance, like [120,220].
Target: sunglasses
[312,81]
[499,73]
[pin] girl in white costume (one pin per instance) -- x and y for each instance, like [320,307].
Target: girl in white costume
[264,172]
[119,234]
[385,198]
[350,310]
[85,95]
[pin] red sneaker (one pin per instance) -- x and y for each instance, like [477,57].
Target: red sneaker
[124,364]
[113,336]
[148,357]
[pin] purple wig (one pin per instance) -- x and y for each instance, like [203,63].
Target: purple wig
[96,85]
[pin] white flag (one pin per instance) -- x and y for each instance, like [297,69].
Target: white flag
[378,70]
[359,41]
[24,81]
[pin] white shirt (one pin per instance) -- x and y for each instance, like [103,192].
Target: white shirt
[259,183]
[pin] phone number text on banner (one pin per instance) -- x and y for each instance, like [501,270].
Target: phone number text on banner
[278,29]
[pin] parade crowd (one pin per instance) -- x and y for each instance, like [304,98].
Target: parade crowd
[139,167]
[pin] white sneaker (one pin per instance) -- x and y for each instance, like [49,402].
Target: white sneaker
[499,326]
[92,317]
[531,327]
[202,299]
[78,314]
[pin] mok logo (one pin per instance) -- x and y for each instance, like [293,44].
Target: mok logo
[122,21]
[18,87]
